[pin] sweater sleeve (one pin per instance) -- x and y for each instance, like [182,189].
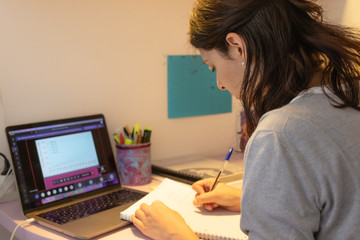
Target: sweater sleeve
[274,203]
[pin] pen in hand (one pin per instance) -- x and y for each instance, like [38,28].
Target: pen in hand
[228,155]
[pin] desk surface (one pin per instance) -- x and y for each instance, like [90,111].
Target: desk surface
[11,215]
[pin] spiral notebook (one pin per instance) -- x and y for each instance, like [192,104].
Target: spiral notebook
[217,224]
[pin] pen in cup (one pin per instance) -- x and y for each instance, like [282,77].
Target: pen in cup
[228,155]
[137,136]
[146,135]
[116,138]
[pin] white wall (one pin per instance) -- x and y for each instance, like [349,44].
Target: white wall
[345,12]
[334,10]
[351,13]
[3,143]
[64,58]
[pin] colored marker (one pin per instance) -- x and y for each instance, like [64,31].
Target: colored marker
[128,141]
[127,131]
[122,140]
[116,138]
[147,135]
[136,133]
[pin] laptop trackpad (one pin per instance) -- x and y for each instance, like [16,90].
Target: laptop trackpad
[98,223]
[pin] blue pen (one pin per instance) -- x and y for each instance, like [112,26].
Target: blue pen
[228,155]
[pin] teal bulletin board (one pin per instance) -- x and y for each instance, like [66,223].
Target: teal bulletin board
[192,88]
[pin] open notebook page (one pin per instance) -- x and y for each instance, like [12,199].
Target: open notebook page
[217,224]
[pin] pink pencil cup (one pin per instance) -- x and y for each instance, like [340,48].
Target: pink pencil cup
[134,163]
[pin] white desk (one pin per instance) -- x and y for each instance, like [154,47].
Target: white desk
[11,215]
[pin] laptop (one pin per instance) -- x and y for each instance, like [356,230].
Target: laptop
[65,167]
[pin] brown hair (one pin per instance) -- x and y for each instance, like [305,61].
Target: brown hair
[288,41]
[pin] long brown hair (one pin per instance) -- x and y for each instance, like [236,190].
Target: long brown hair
[288,41]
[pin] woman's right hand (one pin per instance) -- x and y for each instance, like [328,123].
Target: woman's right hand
[222,195]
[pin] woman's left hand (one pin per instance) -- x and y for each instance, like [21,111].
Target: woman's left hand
[157,221]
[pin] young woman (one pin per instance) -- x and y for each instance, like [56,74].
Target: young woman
[298,80]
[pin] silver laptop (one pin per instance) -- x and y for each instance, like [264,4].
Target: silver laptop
[67,177]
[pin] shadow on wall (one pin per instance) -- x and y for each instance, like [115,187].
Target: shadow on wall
[334,10]
[4,148]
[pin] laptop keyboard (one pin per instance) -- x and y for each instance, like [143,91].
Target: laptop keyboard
[92,206]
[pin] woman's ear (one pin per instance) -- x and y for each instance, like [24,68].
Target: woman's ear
[236,44]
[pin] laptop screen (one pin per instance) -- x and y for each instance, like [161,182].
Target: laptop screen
[60,159]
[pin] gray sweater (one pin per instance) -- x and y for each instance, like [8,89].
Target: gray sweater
[302,172]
